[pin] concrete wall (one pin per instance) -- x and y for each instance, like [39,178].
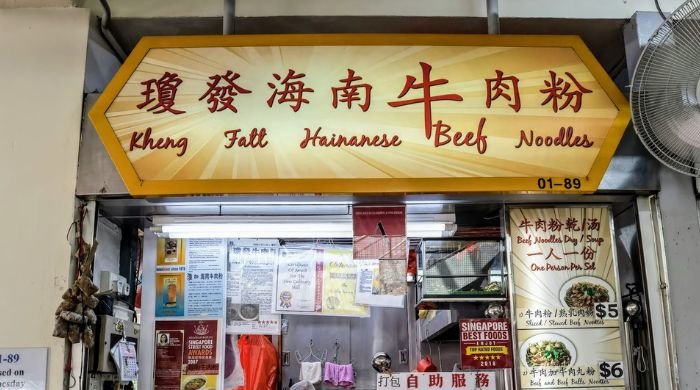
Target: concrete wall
[42,66]
[577,9]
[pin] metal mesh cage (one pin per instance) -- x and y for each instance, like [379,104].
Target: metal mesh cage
[459,267]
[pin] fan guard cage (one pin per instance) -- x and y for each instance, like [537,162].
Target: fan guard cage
[664,97]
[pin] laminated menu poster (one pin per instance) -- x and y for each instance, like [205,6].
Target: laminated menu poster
[195,285]
[250,287]
[566,298]
[317,281]
[186,355]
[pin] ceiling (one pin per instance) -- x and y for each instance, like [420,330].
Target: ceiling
[603,36]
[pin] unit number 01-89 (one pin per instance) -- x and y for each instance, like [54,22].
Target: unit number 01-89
[547,183]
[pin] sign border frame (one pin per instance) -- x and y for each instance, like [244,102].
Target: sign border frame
[138,187]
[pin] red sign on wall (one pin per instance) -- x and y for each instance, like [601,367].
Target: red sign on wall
[485,343]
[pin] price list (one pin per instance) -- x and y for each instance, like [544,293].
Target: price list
[566,298]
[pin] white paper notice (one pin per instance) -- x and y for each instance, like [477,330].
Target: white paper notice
[368,286]
[296,281]
[205,281]
[250,290]
[23,368]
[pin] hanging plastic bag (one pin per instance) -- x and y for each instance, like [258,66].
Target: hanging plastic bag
[259,361]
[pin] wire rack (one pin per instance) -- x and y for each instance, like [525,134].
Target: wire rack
[461,267]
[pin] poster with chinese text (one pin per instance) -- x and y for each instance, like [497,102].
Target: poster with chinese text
[206,277]
[194,284]
[566,298]
[250,287]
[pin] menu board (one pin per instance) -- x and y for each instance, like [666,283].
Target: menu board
[186,353]
[249,291]
[317,281]
[190,277]
[566,298]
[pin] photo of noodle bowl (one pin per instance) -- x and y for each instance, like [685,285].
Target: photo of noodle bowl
[583,292]
[547,350]
[194,384]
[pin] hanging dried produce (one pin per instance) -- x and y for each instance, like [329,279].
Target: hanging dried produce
[75,316]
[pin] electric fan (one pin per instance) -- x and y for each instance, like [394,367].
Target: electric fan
[666,91]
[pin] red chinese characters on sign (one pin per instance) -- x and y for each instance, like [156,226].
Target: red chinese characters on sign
[349,92]
[459,381]
[552,254]
[165,89]
[526,224]
[222,91]
[412,381]
[482,380]
[503,87]
[427,99]
[292,90]
[485,343]
[558,89]
[556,225]
[435,381]
[470,380]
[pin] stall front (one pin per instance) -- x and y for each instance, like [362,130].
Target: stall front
[379,211]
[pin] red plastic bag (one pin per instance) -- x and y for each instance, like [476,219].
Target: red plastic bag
[259,360]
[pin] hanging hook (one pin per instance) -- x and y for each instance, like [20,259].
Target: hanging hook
[336,345]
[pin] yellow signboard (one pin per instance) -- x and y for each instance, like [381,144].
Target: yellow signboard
[360,114]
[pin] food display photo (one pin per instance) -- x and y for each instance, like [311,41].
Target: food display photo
[569,358]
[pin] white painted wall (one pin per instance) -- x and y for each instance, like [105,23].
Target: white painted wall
[35,3]
[584,9]
[42,66]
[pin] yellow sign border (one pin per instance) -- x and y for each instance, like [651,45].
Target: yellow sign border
[138,187]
